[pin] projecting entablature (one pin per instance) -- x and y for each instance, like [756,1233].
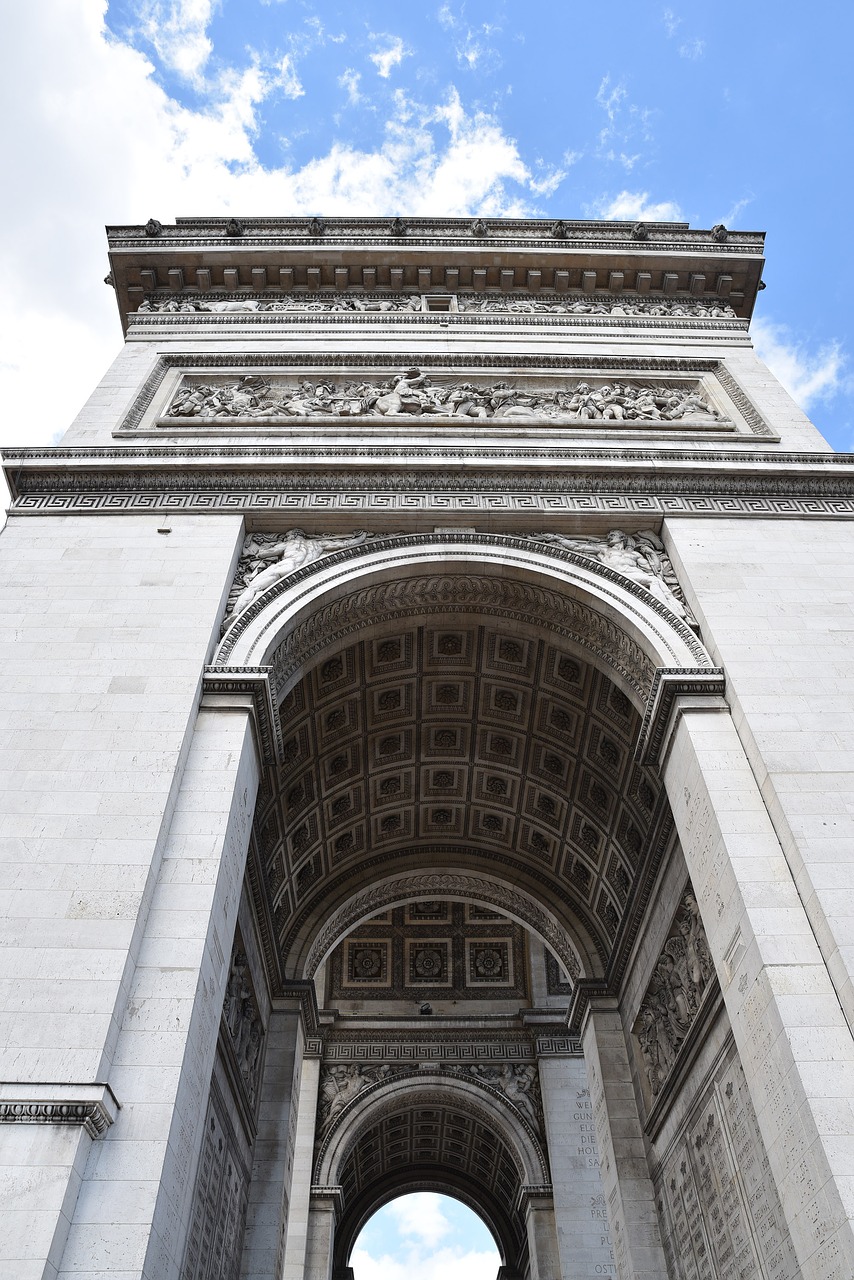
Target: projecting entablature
[435,265]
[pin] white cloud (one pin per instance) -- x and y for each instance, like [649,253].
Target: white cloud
[178,30]
[288,79]
[444,1264]
[424,1236]
[547,182]
[98,140]
[692,49]
[420,1215]
[634,206]
[385,59]
[350,80]
[447,18]
[808,376]
[628,125]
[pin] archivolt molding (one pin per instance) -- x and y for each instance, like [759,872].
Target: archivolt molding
[514,902]
[419,1089]
[281,629]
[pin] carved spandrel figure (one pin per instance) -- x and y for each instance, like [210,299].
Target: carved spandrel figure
[293,552]
[640,557]
[518,1083]
[341,1085]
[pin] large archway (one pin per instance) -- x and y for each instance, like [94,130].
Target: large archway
[464,719]
[467,711]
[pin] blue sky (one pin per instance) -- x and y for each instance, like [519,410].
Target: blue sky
[733,112]
[425,1237]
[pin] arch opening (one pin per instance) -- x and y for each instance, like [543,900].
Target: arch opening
[422,1230]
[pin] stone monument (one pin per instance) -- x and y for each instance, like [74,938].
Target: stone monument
[428,764]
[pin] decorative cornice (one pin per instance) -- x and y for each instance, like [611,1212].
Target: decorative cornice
[303,990]
[254,681]
[668,685]
[302,230]
[94,1106]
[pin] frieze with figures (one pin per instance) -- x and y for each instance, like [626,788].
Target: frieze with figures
[464,304]
[682,975]
[242,1024]
[416,393]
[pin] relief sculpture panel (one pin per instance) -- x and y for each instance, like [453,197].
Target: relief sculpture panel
[679,982]
[415,393]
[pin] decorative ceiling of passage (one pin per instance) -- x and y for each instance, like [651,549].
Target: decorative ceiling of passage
[470,746]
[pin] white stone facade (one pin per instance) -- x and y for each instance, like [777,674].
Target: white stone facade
[427,764]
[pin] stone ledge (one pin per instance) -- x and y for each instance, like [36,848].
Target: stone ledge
[94,1106]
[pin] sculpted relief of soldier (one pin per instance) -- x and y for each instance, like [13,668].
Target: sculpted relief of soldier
[415,393]
[671,1004]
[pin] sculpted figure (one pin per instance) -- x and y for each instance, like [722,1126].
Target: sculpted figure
[640,557]
[341,1085]
[409,394]
[294,551]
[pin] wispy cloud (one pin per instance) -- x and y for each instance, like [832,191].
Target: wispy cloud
[288,79]
[730,218]
[634,206]
[391,56]
[671,22]
[350,80]
[178,31]
[809,375]
[692,47]
[628,124]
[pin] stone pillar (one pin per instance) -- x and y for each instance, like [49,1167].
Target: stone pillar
[135,1199]
[629,1194]
[296,1239]
[273,1161]
[581,1220]
[537,1206]
[794,1043]
[326,1203]
[105,626]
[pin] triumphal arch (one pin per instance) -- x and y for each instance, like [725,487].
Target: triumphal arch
[428,763]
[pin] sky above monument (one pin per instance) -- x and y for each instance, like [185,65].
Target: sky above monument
[735,112]
[425,1236]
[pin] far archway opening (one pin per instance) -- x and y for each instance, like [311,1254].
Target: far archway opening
[425,1236]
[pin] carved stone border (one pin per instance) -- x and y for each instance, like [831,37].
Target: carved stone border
[623,365]
[541,606]
[94,1106]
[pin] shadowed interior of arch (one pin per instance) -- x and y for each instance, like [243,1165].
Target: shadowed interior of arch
[424,1235]
[448,744]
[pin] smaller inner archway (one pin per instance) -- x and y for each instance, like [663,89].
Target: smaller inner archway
[418,1233]
[441,1142]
